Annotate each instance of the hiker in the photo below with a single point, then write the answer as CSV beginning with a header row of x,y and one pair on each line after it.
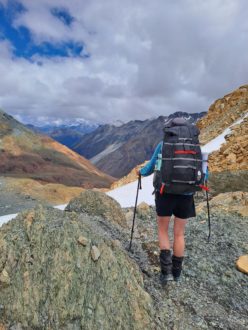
x,y
172,160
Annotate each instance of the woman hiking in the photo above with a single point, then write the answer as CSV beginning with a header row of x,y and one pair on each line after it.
x,y
179,200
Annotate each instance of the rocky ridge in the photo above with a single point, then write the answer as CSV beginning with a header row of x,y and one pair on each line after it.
x,y
25,154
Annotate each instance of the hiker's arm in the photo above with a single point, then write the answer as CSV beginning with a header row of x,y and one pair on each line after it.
x,y
148,169
205,165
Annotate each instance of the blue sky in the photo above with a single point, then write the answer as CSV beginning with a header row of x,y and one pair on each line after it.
x,y
21,38
119,60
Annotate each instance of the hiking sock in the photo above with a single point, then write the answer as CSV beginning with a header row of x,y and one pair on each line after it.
x,y
165,262
177,267
166,266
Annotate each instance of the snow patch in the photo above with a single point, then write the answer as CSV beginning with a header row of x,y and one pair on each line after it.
x,y
126,195
7,218
61,207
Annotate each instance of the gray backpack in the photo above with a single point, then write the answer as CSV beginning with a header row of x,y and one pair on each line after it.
x,y
179,167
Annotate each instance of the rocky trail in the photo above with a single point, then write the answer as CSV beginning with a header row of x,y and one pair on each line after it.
x,y
120,289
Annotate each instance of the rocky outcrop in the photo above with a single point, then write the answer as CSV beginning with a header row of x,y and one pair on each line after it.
x,y
229,111
100,204
228,203
223,113
49,280
228,181
233,154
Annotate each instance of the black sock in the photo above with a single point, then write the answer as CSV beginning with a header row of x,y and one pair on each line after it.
x,y
164,251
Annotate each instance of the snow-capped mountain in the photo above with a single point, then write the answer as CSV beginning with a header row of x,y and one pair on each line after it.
x,y
69,133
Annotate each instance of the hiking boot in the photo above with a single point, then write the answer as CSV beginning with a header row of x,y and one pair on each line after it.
x,y
165,278
177,267
166,266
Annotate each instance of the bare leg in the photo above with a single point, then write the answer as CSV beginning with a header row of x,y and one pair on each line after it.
x,y
163,236
179,229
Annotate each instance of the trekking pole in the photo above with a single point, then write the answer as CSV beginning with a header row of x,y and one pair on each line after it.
x,y
209,222
134,213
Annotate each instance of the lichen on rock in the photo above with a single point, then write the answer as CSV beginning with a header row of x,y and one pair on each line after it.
x,y
55,284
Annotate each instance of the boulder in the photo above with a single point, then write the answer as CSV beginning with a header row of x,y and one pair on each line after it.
x,y
143,209
95,253
82,240
51,281
242,264
99,204
228,181
227,203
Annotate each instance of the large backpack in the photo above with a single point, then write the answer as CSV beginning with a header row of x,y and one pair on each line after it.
x,y
179,168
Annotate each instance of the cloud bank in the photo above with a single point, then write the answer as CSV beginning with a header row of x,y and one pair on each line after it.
x,y
138,59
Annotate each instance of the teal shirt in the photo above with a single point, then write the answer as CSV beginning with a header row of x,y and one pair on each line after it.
x,y
148,169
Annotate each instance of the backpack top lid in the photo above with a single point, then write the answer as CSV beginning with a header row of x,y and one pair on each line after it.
x,y
178,121
182,125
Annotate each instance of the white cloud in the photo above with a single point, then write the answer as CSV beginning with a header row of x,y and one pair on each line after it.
x,y
147,58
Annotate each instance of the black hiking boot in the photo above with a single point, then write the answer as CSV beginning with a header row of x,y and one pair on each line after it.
x,y
166,266
177,267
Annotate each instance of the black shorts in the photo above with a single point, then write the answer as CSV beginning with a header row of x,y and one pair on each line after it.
x,y
181,206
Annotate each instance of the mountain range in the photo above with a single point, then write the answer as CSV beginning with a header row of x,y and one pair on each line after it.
x,y
67,134
24,153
